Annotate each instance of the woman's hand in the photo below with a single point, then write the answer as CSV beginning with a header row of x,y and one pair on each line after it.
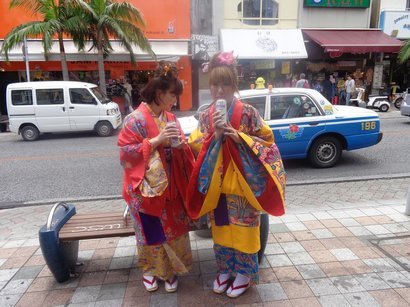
x,y
170,131
218,122
232,133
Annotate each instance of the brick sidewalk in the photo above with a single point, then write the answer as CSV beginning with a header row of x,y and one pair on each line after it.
x,y
350,251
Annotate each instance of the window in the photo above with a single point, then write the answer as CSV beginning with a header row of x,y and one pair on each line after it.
x,y
259,12
50,96
292,106
21,98
258,103
81,96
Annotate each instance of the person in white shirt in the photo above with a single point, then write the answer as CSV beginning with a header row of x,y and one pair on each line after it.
x,y
127,96
350,88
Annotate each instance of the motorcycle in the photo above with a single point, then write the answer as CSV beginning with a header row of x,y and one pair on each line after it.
x,y
380,102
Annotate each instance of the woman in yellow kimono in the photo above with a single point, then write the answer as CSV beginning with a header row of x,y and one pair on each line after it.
x,y
238,174
157,164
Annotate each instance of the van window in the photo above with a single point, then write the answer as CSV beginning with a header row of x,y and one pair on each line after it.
x,y
81,96
50,96
21,97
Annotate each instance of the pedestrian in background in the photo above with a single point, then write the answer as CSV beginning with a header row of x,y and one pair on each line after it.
x,y
128,97
157,163
350,88
341,90
302,82
238,174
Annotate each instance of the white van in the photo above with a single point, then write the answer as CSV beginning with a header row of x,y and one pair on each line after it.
x,y
59,106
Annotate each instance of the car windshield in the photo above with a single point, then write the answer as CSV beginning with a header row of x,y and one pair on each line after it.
x,y
100,95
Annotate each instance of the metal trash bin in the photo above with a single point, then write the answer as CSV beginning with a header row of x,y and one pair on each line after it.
x,y
60,257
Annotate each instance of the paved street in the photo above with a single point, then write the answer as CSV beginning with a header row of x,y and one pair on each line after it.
x,y
338,245
81,166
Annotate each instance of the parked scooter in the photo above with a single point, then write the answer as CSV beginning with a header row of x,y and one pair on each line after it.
x,y
400,97
380,102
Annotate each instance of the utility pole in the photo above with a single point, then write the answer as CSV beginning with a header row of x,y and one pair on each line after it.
x,y
25,55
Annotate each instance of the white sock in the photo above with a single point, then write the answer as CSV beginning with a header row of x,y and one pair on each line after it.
x,y
239,280
223,277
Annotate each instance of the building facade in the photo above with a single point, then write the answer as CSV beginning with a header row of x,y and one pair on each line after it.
x,y
167,28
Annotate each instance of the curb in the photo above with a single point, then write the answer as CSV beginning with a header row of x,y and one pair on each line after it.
x,y
16,204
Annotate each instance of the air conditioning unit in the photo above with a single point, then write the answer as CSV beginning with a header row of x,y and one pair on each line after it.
x,y
204,97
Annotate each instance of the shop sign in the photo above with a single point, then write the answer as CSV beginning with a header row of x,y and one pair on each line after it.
x,y
395,23
285,68
204,46
263,64
346,63
337,3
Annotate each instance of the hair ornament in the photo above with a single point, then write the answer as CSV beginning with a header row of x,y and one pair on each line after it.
x,y
167,68
226,58
205,67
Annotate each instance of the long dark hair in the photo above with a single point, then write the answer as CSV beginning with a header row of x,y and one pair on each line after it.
x,y
165,79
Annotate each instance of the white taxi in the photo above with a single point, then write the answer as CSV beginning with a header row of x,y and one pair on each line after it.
x,y
306,125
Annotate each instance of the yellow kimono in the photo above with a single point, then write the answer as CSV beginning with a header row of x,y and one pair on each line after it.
x,y
234,183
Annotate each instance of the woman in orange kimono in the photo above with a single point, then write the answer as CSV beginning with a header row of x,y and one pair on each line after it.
x,y
238,174
157,164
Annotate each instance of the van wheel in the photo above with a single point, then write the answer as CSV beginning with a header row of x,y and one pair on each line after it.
x,y
104,129
384,108
325,152
29,133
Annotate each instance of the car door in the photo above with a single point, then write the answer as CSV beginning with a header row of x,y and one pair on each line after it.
x,y
258,102
51,110
83,109
296,120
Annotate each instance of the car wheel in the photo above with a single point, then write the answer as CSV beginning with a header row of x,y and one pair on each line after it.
x,y
398,102
325,152
104,129
29,133
384,108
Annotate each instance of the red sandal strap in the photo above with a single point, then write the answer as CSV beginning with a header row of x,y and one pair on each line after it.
x,y
219,282
171,282
151,282
239,287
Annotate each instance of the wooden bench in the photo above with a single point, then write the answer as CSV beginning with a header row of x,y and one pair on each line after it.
x,y
95,226
59,238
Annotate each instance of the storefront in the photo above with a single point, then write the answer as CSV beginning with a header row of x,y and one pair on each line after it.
x,y
270,54
167,29
397,24
366,54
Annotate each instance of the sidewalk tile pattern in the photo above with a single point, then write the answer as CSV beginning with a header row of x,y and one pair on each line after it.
x,y
350,247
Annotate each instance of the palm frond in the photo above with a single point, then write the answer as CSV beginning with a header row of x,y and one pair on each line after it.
x,y
404,53
126,11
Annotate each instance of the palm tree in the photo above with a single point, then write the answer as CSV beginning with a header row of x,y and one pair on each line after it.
x,y
404,53
105,19
57,19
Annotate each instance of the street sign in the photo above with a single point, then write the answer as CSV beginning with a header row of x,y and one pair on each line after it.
x,y
337,3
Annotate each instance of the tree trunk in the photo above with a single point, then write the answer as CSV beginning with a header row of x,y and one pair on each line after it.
x,y
64,67
101,70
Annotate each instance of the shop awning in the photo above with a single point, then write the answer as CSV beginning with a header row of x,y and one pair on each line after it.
x,y
354,41
164,49
264,44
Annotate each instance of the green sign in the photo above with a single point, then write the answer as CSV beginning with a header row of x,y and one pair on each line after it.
x,y
338,3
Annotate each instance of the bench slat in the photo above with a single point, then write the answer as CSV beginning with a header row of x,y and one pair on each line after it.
x,y
96,216
122,232
94,226
98,221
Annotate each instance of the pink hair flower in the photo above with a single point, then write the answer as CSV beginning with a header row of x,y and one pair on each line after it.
x,y
226,58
